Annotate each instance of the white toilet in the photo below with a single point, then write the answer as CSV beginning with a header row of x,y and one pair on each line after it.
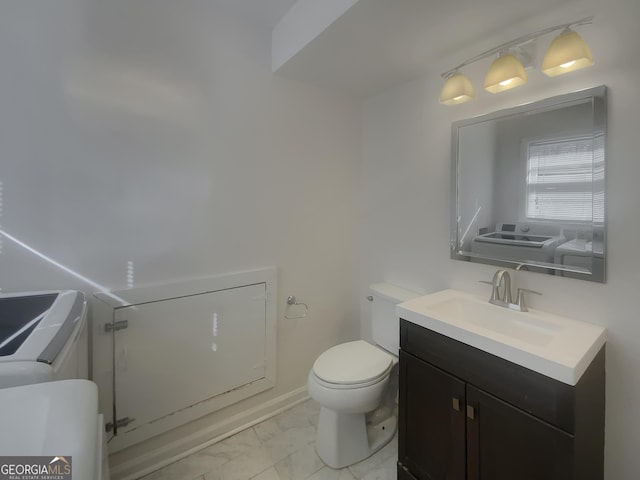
x,y
355,384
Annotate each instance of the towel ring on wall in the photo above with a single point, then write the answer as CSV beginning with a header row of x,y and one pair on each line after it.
x,y
291,300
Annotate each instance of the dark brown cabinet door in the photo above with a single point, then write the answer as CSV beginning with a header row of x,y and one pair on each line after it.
x,y
431,435
404,474
505,443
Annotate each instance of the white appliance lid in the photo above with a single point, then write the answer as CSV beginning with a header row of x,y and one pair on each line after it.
x,y
352,363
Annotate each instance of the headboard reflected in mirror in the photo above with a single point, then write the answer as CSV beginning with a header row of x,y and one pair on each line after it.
x,y
528,186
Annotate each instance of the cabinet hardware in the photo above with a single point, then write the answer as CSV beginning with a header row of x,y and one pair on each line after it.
x,y
456,404
471,412
115,326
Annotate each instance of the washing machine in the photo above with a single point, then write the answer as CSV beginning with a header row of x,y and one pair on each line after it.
x,y
584,256
56,422
43,337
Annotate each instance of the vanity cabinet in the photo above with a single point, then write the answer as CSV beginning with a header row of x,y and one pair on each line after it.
x,y
467,414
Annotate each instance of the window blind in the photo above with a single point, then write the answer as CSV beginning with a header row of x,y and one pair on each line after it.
x,y
560,179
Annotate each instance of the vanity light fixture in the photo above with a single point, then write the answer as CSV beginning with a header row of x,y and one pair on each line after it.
x,y
567,52
505,72
457,89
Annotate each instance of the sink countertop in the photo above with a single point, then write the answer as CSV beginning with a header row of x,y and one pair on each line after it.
x,y
558,347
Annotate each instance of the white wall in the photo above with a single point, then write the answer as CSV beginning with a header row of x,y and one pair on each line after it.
x,y
154,132
406,191
475,187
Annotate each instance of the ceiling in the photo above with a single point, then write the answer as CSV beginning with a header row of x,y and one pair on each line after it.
x,y
266,13
380,43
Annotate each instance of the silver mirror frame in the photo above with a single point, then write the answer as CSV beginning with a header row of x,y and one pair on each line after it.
x,y
598,98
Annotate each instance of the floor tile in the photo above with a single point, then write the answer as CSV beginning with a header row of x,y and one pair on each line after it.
x,y
301,416
202,462
384,471
300,464
388,453
280,448
282,443
242,467
308,410
269,474
327,473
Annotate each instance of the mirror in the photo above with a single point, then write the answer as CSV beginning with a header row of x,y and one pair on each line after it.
x,y
528,186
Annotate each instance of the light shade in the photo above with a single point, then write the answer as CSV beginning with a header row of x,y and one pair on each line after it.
x,y
567,52
505,72
457,89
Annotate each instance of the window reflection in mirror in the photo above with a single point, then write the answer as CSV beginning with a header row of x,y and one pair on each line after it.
x,y
529,186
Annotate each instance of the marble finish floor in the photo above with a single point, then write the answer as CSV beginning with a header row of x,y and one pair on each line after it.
x,y
280,448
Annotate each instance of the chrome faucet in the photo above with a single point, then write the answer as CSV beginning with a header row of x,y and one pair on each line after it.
x,y
501,278
501,292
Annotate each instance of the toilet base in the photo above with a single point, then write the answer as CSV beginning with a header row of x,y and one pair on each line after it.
x,y
344,439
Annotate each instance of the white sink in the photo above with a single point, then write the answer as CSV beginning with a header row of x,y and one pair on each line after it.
x,y
52,419
555,346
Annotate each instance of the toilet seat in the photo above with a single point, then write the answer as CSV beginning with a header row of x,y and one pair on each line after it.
x,y
352,365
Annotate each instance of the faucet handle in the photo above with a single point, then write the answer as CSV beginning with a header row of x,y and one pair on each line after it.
x,y
485,281
520,298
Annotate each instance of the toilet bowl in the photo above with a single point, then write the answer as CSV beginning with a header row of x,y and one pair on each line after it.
x,y
349,381
355,384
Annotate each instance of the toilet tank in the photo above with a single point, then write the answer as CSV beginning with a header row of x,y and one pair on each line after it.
x,y
385,324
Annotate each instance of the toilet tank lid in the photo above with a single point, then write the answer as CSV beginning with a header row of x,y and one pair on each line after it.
x,y
392,293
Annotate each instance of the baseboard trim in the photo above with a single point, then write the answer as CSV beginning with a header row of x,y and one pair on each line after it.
x,y
183,447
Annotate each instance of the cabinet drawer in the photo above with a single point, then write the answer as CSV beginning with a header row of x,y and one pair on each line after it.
x,y
541,396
